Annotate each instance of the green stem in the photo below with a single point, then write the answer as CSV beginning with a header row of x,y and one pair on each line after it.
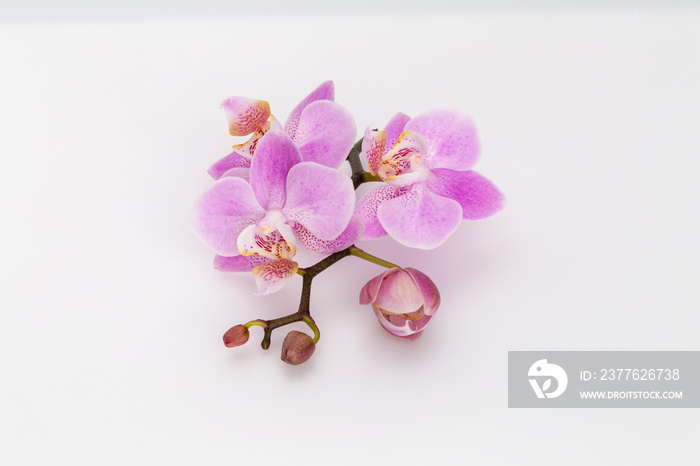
x,y
312,325
369,257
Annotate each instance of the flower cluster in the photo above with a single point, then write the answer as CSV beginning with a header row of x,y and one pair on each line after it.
x,y
282,188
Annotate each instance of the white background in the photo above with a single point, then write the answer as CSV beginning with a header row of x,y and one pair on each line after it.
x,y
111,314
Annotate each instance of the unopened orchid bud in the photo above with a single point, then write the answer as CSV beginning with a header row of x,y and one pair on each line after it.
x,y
297,348
236,336
404,301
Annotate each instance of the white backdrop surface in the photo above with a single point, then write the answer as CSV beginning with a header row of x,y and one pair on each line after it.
x,y
111,315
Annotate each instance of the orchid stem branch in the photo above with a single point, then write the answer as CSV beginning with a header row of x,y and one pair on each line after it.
x,y
357,252
359,176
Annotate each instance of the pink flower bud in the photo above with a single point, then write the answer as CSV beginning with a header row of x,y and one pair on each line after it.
x,y
297,348
236,336
404,301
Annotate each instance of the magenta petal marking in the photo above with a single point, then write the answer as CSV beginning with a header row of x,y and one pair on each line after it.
x,y
367,207
317,246
320,198
270,277
274,157
326,91
253,241
427,289
394,129
223,211
450,136
373,148
478,196
420,218
238,263
245,115
325,134
369,292
232,160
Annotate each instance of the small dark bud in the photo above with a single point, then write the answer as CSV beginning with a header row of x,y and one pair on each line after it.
x,y
297,348
236,336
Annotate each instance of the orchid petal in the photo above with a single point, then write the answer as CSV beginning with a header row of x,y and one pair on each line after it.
x,y
367,207
451,139
245,115
275,155
223,211
254,241
399,295
272,276
427,289
288,235
420,218
247,149
369,292
321,199
232,160
373,148
325,133
238,263
394,129
326,91
238,172
478,196
317,246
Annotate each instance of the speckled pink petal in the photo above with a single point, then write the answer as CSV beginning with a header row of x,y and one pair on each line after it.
x,y
317,246
325,134
326,91
420,218
223,211
369,292
247,149
275,156
450,136
232,160
399,294
238,172
367,207
427,289
272,276
245,115
394,129
373,148
321,199
238,263
478,196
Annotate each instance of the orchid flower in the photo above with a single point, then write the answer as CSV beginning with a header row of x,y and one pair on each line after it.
x,y
255,225
403,300
323,130
426,164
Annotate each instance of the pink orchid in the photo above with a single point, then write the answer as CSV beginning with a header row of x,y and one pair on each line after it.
x,y
323,130
255,225
404,301
425,162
